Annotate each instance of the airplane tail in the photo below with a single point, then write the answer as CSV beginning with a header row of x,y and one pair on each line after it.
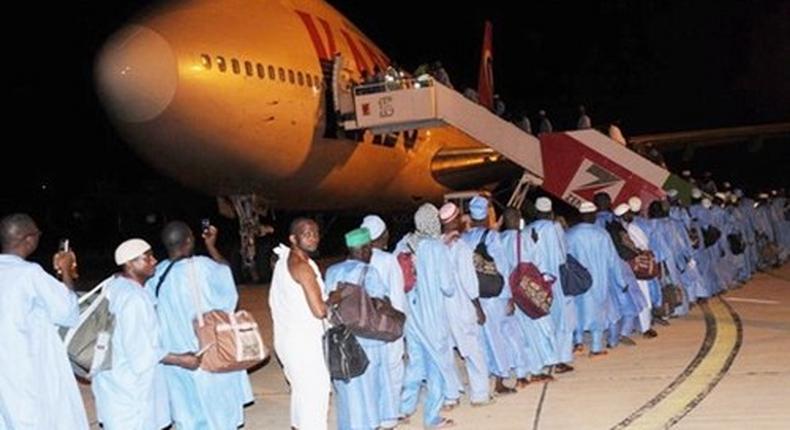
x,y
485,83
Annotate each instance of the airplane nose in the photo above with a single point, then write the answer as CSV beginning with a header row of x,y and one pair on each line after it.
x,y
136,74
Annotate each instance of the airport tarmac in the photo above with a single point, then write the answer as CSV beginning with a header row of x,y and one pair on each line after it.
x,y
724,366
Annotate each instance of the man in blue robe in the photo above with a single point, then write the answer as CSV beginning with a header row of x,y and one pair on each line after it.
x,y
707,257
496,308
745,206
550,254
37,386
629,300
364,402
428,339
597,309
194,285
132,395
530,359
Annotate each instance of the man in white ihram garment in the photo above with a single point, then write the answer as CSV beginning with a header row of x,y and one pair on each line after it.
x,y
297,303
37,387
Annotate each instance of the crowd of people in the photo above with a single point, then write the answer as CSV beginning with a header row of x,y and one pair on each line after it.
x,y
438,275
703,249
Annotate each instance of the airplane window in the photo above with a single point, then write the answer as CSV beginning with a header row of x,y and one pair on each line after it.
x,y
300,78
317,81
261,70
291,76
221,64
281,73
309,79
271,72
206,60
234,63
248,68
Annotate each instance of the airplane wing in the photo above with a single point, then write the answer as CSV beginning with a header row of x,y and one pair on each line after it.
x,y
716,136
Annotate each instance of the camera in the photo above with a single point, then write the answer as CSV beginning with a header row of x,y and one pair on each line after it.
x,y
205,223
64,245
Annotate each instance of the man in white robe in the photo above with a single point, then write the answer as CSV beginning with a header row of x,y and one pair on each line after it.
x,y
386,264
132,394
37,387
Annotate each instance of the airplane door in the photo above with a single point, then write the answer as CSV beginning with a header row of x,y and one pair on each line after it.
x,y
341,90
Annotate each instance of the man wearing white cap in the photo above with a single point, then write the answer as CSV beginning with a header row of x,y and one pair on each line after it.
x,y
743,226
746,207
386,264
596,308
464,307
708,255
655,242
731,265
132,395
640,240
37,386
530,349
550,255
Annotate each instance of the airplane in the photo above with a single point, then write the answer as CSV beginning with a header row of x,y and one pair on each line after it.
x,y
235,98
239,98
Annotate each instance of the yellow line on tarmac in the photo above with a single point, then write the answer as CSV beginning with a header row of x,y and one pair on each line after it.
x,y
722,342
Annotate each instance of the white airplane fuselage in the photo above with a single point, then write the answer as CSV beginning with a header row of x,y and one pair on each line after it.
x,y
229,97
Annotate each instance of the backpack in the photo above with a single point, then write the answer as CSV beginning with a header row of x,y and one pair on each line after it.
x,y
531,289
575,278
710,235
88,343
409,269
622,242
736,243
491,282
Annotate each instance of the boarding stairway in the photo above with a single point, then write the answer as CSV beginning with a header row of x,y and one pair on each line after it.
x,y
571,165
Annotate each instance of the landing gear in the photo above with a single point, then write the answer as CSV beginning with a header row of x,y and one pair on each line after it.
x,y
249,210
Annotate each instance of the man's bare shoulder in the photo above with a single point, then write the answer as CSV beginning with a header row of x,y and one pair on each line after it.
x,y
300,269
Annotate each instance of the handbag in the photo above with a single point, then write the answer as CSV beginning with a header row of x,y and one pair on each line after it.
x,y
88,343
228,341
366,316
489,279
710,235
623,244
736,243
345,358
575,278
531,289
644,265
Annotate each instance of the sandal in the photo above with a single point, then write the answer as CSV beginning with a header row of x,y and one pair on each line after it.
x,y
443,424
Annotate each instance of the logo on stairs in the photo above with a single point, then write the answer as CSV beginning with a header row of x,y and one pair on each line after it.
x,y
591,178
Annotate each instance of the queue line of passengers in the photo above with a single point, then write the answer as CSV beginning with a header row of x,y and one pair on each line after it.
x,y
155,380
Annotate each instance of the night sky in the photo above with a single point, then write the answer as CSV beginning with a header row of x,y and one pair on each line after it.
x,y
655,65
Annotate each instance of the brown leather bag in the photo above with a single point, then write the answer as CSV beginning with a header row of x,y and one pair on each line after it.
x,y
644,265
366,316
231,341
228,341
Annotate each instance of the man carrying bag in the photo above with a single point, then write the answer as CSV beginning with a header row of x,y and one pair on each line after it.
x,y
363,401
